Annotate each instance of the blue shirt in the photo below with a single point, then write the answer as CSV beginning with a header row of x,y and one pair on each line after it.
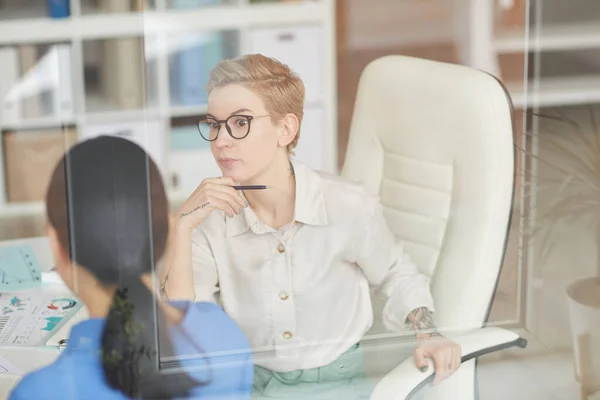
x,y
225,361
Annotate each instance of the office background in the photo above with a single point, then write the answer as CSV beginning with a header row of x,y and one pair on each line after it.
x,y
70,70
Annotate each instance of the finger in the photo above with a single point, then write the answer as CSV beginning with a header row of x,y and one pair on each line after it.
x,y
440,361
457,358
218,204
235,196
220,180
421,360
231,199
223,181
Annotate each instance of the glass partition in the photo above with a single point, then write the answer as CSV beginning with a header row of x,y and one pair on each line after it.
x,y
71,71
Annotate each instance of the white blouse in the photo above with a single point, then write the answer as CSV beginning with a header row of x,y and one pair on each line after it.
x,y
304,292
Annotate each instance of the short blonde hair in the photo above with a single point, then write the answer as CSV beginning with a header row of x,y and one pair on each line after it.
x,y
273,82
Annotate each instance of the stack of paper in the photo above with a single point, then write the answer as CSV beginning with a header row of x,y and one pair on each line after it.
x,y
9,377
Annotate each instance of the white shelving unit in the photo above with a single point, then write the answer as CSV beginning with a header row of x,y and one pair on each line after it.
x,y
563,30
285,21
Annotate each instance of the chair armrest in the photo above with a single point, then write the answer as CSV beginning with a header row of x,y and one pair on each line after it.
x,y
405,380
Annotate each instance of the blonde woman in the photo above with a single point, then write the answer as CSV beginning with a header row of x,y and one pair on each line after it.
x,y
292,264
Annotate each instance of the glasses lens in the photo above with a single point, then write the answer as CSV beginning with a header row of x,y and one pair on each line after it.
x,y
239,126
208,129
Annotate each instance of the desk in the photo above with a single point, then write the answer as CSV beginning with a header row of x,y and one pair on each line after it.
x,y
41,249
27,358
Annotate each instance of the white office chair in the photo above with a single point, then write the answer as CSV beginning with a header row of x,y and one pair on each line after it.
x,y
435,142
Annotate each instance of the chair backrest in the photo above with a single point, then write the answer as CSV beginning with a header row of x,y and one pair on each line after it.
x,y
435,142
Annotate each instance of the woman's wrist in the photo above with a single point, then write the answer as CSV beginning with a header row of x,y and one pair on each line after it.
x,y
183,228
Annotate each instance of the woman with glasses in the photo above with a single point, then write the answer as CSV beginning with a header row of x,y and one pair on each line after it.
x,y
292,263
108,228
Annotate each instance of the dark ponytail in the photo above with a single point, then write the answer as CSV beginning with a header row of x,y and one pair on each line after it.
x,y
107,203
129,346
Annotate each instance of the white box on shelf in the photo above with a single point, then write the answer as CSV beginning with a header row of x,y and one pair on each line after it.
x,y
149,134
188,168
311,145
31,100
123,73
62,101
300,47
10,112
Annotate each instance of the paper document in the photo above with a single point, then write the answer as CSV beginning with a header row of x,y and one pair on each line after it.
x,y
8,368
19,269
7,383
9,376
30,318
64,332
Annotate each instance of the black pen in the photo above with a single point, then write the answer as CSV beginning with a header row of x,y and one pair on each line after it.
x,y
252,187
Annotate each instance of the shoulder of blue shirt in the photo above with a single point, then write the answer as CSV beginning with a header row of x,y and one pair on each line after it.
x,y
36,384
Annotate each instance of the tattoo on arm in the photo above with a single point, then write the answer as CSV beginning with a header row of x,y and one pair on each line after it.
x,y
420,321
194,210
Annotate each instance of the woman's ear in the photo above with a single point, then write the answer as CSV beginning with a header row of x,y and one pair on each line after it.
x,y
289,129
64,267
61,255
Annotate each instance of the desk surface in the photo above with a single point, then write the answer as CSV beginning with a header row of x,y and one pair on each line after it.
x,y
28,358
41,249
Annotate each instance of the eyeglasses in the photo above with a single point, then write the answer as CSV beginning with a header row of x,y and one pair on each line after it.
x,y
238,126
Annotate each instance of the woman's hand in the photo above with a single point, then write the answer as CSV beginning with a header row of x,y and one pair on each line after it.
x,y
212,194
444,353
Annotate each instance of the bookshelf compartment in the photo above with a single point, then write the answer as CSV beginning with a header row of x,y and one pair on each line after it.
x,y
115,6
29,9
195,4
311,148
36,84
190,157
118,76
30,157
300,47
191,58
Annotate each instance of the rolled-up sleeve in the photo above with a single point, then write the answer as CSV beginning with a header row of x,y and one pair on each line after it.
x,y
206,278
388,268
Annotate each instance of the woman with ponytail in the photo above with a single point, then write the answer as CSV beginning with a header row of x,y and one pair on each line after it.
x,y
108,228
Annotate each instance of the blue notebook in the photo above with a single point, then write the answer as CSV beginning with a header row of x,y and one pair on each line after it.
x,y
186,138
199,54
185,4
191,66
19,269
58,8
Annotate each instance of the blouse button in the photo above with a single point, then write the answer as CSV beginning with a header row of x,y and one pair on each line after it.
x,y
283,295
281,248
287,335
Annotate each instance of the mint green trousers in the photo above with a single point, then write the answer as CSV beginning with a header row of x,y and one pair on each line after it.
x,y
345,379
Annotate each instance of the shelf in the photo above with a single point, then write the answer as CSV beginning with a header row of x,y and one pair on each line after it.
x,y
188,111
37,208
89,7
46,30
554,37
556,91
38,123
33,209
99,110
108,117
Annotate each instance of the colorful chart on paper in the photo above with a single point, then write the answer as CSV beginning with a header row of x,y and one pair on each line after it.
x,y
28,318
